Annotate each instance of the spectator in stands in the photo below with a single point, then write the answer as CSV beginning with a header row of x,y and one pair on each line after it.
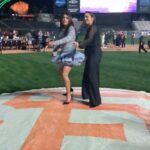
x,y
106,38
141,44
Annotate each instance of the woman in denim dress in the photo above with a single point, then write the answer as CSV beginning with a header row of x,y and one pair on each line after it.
x,y
66,55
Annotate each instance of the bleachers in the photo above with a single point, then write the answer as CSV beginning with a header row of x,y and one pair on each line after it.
x,y
116,23
15,24
19,24
141,25
3,25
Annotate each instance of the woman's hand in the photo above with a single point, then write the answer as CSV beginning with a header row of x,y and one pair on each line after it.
x,y
76,44
54,54
51,44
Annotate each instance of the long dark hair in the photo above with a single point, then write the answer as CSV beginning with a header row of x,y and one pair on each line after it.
x,y
69,24
92,15
70,20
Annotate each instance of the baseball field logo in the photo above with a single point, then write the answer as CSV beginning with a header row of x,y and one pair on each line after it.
x,y
37,120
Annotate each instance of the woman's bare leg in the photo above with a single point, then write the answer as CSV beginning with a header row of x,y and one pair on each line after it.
x,y
65,75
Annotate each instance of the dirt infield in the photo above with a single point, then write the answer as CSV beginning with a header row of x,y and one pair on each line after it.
x,y
109,48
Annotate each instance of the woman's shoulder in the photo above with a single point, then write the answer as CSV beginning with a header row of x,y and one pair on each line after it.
x,y
71,27
95,27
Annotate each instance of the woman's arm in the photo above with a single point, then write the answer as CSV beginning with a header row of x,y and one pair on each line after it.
x,y
70,36
88,41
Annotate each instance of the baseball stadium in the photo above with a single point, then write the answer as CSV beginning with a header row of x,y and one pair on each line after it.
x,y
74,75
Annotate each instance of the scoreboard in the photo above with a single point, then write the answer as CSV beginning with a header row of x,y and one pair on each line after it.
x,y
102,6
74,6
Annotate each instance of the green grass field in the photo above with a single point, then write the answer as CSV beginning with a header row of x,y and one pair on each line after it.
x,y
125,70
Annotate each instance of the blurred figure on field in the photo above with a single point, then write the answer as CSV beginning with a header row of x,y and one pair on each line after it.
x,y
103,40
123,40
148,43
141,43
1,40
114,38
133,38
46,39
106,39
118,39
40,40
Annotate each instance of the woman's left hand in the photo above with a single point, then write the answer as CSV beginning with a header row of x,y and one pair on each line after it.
x,y
54,54
51,43
76,44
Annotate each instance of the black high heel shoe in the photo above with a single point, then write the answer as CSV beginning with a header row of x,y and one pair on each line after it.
x,y
67,102
65,94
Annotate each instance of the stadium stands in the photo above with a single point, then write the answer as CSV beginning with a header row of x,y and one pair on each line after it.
x,y
141,25
20,24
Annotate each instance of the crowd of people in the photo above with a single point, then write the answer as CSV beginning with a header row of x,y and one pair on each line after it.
x,y
115,38
37,40
31,40
119,39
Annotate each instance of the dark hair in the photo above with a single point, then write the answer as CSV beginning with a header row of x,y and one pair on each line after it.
x,y
70,20
92,15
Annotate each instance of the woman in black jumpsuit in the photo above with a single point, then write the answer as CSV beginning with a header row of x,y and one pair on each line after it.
x,y
91,44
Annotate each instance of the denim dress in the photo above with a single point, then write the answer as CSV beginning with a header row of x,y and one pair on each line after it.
x,y
65,48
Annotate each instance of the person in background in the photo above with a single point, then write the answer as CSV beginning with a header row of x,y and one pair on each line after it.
x,y
29,39
114,37
148,43
123,40
103,40
141,43
118,39
45,38
40,40
133,38
106,39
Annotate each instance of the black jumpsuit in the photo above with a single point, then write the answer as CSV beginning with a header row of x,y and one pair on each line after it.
x,y
90,82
